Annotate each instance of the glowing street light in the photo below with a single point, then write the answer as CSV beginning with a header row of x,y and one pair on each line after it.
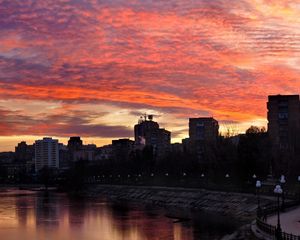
x,y
282,181
258,186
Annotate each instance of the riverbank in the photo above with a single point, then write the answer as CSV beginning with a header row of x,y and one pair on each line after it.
x,y
238,205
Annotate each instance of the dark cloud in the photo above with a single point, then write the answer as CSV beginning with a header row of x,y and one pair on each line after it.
x,y
179,57
70,123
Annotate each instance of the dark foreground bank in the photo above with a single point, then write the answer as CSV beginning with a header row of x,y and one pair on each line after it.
x,y
240,206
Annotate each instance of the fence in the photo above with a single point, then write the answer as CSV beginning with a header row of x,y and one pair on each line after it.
x,y
270,229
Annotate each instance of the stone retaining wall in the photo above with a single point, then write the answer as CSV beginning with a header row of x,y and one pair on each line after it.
x,y
241,206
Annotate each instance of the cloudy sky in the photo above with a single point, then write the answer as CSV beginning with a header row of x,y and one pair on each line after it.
x,y
92,67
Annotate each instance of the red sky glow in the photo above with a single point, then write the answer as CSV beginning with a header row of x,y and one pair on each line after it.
x,y
92,67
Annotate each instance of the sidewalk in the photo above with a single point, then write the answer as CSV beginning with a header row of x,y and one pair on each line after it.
x,y
290,221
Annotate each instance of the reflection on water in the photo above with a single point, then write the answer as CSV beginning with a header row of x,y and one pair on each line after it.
x,y
39,216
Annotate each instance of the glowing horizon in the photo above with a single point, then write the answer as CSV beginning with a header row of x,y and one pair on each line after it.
x,y
91,68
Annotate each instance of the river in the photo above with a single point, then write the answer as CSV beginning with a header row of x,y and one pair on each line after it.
x,y
30,215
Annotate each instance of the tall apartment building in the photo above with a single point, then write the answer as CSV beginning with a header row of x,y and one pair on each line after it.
x,y
203,135
203,129
148,133
46,153
122,148
284,127
24,152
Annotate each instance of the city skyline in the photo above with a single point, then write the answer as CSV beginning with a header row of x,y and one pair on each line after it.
x,y
90,68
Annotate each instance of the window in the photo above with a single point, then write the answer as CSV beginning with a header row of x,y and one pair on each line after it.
x,y
283,115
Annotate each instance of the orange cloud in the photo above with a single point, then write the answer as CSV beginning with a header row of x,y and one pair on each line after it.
x,y
181,57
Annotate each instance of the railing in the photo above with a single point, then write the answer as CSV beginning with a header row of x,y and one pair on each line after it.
x,y
270,229
266,228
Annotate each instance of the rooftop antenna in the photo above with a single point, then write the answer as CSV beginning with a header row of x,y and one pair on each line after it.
x,y
150,117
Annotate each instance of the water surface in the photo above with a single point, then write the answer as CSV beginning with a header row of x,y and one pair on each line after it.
x,y
29,215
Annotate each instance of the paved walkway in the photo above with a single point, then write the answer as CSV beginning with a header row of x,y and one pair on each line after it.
x,y
290,221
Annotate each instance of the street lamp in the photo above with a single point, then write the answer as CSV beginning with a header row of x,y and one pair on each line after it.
x,y
254,178
282,181
278,191
258,186
298,187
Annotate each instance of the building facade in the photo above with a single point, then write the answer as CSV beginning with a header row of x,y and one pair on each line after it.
x,y
46,153
24,152
122,148
148,133
203,129
284,128
203,136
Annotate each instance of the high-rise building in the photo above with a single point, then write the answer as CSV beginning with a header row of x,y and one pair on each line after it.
x,y
284,128
203,129
46,153
203,135
148,133
74,143
24,152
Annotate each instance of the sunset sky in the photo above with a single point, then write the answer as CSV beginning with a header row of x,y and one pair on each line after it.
x,y
92,67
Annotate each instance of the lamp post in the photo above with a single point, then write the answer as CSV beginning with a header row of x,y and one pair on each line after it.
x,y
298,188
282,181
227,181
258,186
278,191
254,178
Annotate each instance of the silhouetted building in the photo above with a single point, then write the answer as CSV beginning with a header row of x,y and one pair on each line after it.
x,y
80,152
203,129
104,153
85,153
24,152
64,157
284,128
74,143
203,136
7,157
148,133
122,148
176,147
46,153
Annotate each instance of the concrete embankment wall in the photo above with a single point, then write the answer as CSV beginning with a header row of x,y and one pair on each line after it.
x,y
241,206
